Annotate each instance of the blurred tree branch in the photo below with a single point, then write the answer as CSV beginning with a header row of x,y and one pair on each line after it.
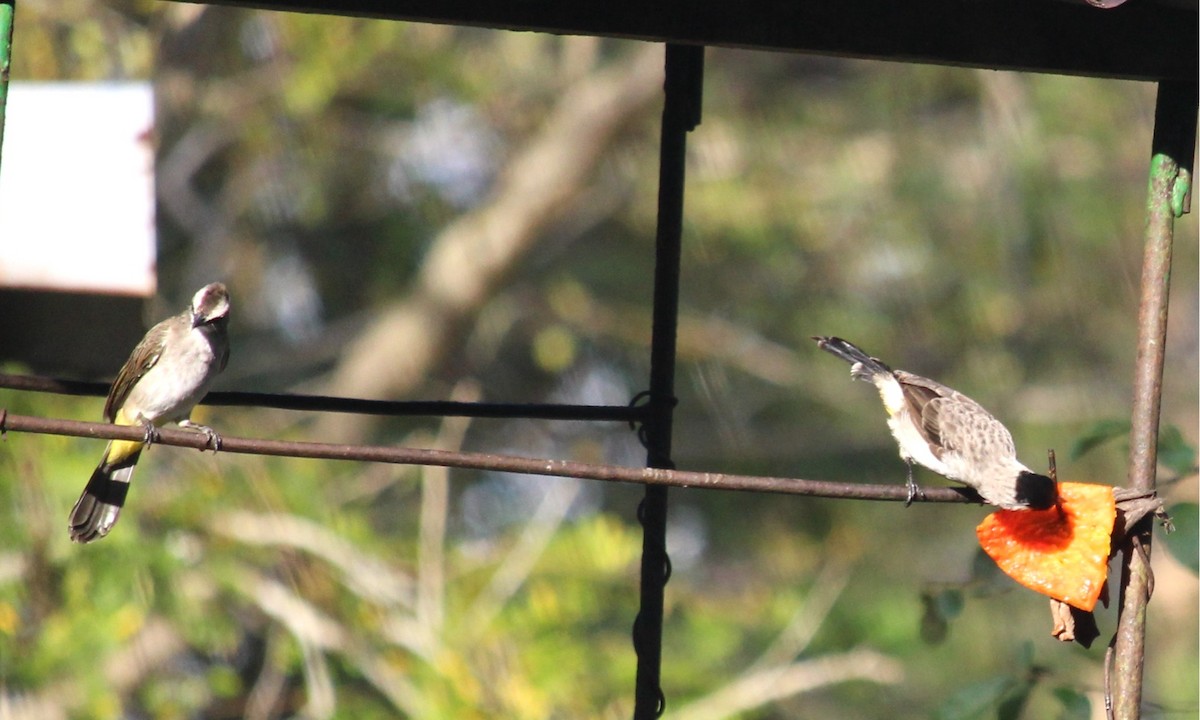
x,y
430,614
473,255
777,675
761,687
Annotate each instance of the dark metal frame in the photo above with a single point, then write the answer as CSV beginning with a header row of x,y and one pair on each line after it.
x,y
1146,39
1142,39
681,113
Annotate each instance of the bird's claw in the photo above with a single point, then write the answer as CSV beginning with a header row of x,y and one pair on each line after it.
x,y
151,433
913,492
214,439
913,489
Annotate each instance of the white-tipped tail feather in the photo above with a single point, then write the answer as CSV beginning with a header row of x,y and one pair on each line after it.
x,y
97,509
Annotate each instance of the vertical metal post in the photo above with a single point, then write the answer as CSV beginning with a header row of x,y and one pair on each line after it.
x,y
1169,197
7,13
681,113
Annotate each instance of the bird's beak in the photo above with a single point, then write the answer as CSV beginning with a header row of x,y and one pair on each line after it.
x,y
197,319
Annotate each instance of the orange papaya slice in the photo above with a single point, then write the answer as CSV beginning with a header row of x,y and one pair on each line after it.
x,y
1061,552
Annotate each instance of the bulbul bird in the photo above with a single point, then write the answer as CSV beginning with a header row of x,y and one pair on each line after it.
x,y
168,372
949,433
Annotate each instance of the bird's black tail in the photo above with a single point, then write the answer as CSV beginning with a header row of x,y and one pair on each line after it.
x,y
97,509
862,365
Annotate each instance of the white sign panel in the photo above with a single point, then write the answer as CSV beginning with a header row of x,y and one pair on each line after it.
x,y
77,188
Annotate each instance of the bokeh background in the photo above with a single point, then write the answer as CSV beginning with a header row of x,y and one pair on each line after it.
x,y
416,211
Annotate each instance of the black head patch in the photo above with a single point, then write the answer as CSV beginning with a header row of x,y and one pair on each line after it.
x,y
1037,492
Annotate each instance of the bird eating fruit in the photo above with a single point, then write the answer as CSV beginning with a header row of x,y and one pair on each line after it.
x,y
949,433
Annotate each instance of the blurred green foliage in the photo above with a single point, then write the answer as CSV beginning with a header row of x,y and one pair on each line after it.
x,y
981,228
1184,540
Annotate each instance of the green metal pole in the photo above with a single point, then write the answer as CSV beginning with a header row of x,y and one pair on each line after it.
x,y
7,10
1169,197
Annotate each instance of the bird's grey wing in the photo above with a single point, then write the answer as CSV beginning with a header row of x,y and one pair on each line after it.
x,y
224,359
922,398
932,387
143,357
966,429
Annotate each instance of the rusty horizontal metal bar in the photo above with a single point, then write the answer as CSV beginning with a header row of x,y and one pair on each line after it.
x,y
327,403
12,423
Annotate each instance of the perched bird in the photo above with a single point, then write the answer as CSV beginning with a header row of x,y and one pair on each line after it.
x,y
948,433
167,374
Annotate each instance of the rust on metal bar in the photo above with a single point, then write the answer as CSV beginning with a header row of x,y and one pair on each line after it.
x,y
486,461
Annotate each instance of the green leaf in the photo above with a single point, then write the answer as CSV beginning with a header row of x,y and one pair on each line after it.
x,y
1013,704
1174,452
1098,434
1076,705
978,699
986,576
1025,655
934,626
939,610
1184,541
950,603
